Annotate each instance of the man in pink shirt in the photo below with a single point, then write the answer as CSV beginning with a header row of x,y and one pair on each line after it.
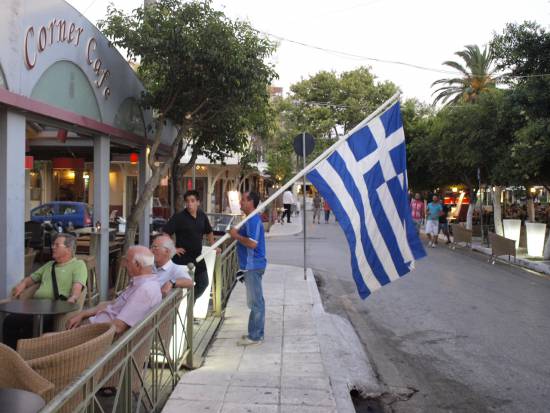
x,y
136,301
417,211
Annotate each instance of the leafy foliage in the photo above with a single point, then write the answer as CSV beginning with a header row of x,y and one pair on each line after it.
x,y
199,69
326,105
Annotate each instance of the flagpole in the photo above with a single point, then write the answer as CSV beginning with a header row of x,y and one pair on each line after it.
x,y
307,169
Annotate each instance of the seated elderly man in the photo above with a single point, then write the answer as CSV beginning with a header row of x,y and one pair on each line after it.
x,y
63,278
169,274
69,273
136,301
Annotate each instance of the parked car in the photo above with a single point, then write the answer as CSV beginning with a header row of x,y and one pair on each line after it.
x,y
79,214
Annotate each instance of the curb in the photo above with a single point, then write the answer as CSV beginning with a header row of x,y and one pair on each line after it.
x,y
286,234
345,360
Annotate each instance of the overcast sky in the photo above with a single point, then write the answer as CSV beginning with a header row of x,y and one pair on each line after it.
x,y
421,32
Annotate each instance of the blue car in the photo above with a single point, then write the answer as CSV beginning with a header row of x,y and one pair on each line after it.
x,y
77,213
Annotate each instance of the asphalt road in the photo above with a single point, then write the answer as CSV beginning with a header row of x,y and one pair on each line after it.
x,y
458,334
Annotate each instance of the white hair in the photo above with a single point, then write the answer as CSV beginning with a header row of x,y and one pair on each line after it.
x,y
143,256
168,243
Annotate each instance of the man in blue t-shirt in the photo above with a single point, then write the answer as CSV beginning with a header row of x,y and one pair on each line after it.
x,y
433,211
252,262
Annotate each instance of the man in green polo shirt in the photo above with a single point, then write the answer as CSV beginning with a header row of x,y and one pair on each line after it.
x,y
71,274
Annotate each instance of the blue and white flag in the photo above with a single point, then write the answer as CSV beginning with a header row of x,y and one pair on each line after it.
x,y
365,184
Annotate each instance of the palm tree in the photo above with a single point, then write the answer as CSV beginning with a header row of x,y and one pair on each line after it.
x,y
477,76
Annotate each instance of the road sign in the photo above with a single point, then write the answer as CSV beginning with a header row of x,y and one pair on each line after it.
x,y
310,144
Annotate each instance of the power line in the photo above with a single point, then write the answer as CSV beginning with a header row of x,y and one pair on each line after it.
x,y
356,56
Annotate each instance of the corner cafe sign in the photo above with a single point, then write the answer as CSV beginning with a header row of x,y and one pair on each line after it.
x,y
38,39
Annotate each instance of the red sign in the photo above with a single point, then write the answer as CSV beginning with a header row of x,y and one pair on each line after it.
x,y
29,162
68,163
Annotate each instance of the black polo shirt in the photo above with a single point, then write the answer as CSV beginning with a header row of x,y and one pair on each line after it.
x,y
189,233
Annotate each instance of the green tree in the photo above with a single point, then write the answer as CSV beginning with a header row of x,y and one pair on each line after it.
x,y
201,71
523,50
477,75
327,105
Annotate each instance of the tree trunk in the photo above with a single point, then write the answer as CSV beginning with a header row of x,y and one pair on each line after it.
x,y
471,207
530,208
546,252
497,211
158,172
179,184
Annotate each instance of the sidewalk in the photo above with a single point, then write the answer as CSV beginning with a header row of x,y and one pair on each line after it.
x,y
522,259
286,229
309,361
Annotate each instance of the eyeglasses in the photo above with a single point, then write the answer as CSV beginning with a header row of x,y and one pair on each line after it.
x,y
58,245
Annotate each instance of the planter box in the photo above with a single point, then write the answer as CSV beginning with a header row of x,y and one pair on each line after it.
x,y
512,229
535,238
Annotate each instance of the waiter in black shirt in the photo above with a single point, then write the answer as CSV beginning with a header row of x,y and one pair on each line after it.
x,y
189,226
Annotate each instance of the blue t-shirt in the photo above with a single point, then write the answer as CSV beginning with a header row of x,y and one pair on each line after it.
x,y
252,259
434,211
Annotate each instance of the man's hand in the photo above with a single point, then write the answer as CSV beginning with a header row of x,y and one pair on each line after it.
x,y
166,288
74,322
233,233
72,299
180,251
18,289
218,251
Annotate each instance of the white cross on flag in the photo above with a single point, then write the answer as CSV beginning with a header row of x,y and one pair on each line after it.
x,y
365,184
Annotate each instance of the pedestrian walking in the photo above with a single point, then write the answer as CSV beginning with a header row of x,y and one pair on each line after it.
x,y
252,262
433,212
417,211
326,208
444,223
190,226
317,208
288,201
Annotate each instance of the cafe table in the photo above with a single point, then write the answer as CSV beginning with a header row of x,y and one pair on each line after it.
x,y
38,308
19,401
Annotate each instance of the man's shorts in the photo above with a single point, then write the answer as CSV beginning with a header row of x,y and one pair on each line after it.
x,y
432,226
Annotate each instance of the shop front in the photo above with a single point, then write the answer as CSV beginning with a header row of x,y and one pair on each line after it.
x,y
70,126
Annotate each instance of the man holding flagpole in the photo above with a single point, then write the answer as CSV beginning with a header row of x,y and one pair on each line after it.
x,y
252,262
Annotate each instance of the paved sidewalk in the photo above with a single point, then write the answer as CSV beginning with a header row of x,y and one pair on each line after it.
x,y
522,259
288,372
286,229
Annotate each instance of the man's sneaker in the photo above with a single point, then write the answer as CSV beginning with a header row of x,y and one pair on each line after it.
x,y
433,245
245,341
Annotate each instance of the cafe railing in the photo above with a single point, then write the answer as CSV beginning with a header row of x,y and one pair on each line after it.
x,y
145,363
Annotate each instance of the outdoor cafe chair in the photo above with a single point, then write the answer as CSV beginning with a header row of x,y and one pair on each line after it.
x,y
62,357
60,320
17,374
30,255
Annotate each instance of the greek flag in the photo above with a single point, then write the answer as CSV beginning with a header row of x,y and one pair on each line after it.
x,y
365,184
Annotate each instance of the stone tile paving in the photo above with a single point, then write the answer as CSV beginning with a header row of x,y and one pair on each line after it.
x,y
285,374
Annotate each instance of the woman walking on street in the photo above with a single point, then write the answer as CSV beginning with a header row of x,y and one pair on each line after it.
x,y
326,208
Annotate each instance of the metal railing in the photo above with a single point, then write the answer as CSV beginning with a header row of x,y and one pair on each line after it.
x,y
224,277
145,364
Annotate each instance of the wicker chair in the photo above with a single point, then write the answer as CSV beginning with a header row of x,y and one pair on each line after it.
x,y
62,357
30,255
93,280
60,321
20,375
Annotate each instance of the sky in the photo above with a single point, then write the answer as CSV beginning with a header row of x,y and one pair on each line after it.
x,y
315,35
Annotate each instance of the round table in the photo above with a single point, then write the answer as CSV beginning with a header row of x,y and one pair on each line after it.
x,y
20,401
38,308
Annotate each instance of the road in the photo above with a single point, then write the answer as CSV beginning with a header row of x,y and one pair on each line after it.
x,y
460,334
